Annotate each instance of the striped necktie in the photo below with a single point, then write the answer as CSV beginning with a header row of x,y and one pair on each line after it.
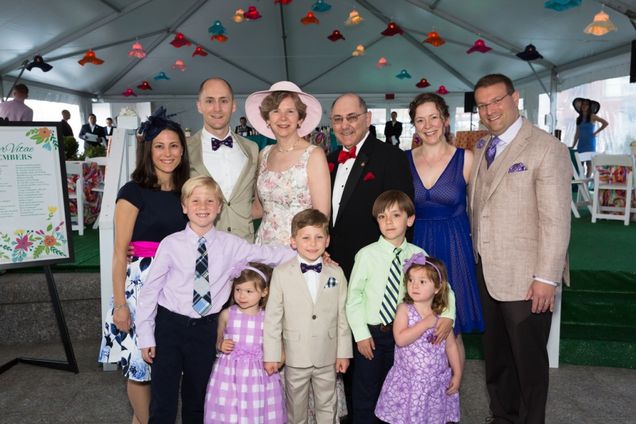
x,y
392,291
201,300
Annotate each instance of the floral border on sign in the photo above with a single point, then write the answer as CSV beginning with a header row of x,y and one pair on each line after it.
x,y
43,136
33,243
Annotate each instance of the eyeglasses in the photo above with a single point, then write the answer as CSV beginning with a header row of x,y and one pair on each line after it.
x,y
352,118
495,102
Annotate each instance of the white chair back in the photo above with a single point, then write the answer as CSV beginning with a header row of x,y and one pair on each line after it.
x,y
616,212
75,168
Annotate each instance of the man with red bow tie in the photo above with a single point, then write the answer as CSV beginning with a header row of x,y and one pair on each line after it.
x,y
361,169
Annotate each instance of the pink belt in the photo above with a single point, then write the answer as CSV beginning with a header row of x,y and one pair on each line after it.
x,y
144,249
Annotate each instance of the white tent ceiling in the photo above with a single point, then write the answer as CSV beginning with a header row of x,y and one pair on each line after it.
x,y
277,46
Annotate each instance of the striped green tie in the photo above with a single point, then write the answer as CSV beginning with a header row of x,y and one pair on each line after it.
x,y
390,301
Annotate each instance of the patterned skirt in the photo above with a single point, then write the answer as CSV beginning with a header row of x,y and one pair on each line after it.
x,y
119,347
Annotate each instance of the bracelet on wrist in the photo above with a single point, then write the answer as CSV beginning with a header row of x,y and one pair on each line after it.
x,y
121,305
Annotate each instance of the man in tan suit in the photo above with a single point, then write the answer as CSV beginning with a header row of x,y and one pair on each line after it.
x,y
519,198
305,318
225,156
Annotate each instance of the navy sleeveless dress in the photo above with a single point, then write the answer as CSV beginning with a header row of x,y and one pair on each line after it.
x,y
442,229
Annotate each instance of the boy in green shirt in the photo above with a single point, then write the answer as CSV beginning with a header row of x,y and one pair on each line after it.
x,y
375,290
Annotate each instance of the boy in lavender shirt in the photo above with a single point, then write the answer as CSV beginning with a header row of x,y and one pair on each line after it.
x,y
179,305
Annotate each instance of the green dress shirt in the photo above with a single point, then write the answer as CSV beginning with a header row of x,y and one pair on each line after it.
x,y
368,282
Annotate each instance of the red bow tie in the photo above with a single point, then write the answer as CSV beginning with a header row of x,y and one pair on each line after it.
x,y
343,156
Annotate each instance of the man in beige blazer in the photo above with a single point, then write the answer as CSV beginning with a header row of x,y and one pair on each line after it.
x,y
305,318
519,199
225,156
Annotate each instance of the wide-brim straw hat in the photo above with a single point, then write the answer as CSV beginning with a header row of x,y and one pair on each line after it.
x,y
594,105
253,112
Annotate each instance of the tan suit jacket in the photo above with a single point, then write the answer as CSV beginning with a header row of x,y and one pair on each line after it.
x,y
520,212
314,335
236,215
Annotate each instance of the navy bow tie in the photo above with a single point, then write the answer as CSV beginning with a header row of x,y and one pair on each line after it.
x,y
305,267
216,143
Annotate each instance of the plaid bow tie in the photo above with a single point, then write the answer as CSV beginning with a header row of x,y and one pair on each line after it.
x,y
304,267
343,156
216,143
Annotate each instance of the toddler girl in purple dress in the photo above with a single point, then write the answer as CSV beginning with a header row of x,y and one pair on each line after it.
x,y
421,387
239,389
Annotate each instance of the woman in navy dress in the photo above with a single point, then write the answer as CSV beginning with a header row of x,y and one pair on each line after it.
x,y
440,172
147,209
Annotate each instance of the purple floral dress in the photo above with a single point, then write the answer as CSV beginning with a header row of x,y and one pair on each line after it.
x,y
414,391
283,194
240,391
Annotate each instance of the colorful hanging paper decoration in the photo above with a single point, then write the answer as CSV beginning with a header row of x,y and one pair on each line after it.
x,y
479,46
239,16
178,64
335,35
137,51
309,18
161,76
442,90
282,1
89,57
144,86
252,14
129,92
601,25
321,6
382,62
199,51
218,32
392,29
434,39
354,18
529,53
423,83
38,62
561,5
359,51
403,74
180,40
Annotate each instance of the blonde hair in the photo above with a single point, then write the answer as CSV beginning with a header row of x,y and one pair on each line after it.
x,y
201,181
436,272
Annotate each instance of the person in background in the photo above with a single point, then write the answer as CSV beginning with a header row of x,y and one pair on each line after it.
x,y
586,130
519,198
393,130
16,110
91,133
147,210
243,129
67,131
108,129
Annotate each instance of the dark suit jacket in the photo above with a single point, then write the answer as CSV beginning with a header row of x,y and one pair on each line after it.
x,y
395,130
98,131
65,128
378,167
108,131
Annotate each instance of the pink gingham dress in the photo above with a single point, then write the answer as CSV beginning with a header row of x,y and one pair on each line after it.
x,y
240,391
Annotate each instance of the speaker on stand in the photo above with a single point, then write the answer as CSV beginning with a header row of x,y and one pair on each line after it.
x,y
470,106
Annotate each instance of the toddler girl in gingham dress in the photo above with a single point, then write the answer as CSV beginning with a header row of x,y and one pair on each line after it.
x,y
240,391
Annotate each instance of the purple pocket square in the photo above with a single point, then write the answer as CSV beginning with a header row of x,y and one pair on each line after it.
x,y
517,167
481,143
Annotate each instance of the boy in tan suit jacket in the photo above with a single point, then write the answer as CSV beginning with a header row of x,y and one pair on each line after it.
x,y
305,317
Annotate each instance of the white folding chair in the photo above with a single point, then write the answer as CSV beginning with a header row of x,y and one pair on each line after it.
x,y
604,182
583,196
75,168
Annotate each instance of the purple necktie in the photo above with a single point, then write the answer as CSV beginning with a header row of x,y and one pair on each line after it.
x,y
216,143
491,151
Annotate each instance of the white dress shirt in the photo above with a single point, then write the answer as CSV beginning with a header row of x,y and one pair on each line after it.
x,y
225,164
312,278
342,175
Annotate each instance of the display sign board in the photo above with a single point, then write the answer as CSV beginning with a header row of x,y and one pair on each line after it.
x,y
35,227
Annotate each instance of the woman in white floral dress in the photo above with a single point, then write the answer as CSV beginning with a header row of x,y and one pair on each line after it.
x,y
292,174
